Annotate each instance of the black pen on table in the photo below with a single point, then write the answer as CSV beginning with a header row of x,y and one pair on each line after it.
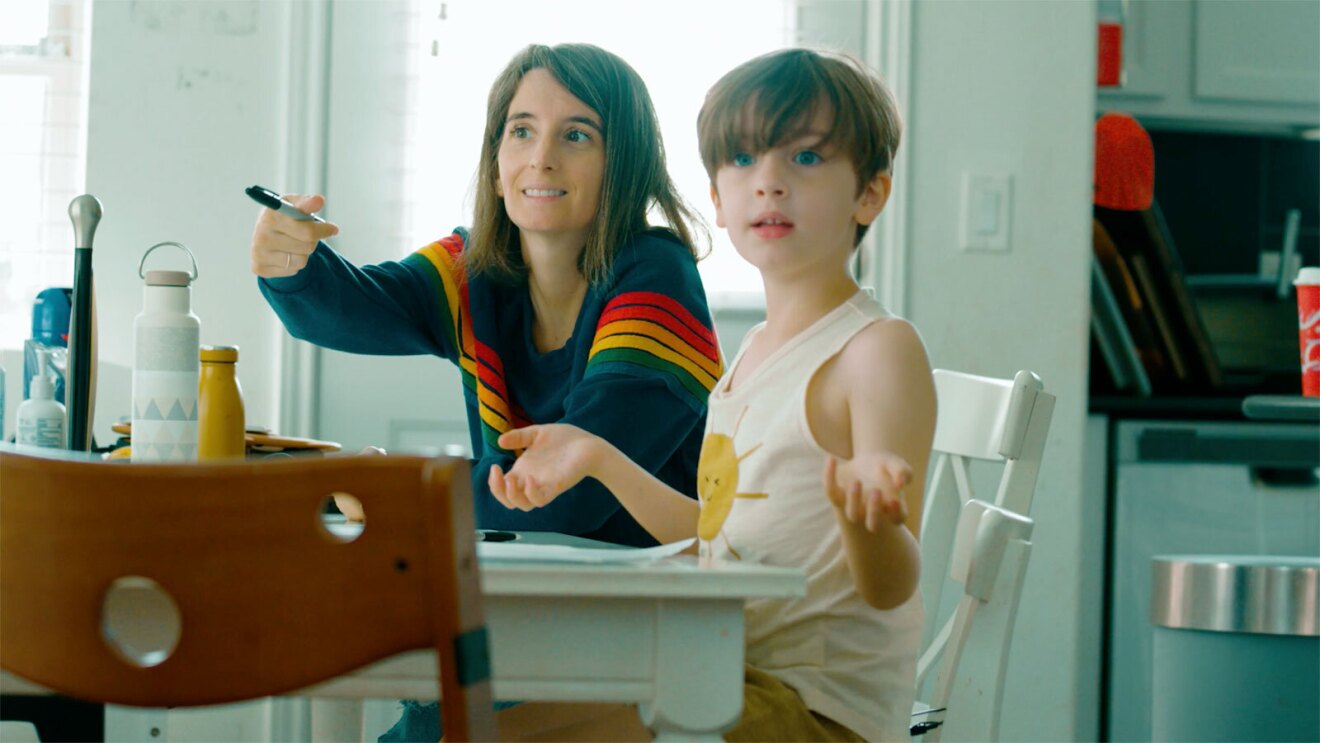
x,y
272,201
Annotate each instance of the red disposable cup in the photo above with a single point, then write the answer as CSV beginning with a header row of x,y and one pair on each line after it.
x,y
1308,328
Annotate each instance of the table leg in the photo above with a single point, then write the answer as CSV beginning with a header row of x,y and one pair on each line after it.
x,y
699,670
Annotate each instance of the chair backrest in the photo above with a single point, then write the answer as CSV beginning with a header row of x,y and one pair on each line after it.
x,y
980,419
1004,421
989,562
264,598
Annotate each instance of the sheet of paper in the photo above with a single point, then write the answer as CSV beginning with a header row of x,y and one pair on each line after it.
x,y
524,552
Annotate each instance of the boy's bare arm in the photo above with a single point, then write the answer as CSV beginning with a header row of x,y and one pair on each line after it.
x,y
555,457
891,405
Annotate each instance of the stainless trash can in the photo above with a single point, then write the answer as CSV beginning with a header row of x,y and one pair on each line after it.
x,y
1236,648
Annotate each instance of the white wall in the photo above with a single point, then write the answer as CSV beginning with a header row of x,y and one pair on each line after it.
x,y
188,107
1009,86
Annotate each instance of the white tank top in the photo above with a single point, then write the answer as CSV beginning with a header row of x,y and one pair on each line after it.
x,y
849,661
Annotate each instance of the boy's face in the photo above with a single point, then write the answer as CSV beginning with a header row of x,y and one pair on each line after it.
x,y
795,206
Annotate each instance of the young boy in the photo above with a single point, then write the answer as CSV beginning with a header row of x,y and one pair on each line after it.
x,y
818,433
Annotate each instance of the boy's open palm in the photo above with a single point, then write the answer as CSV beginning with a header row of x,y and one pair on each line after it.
x,y
868,489
554,458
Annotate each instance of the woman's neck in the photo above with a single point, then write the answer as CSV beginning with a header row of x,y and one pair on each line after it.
x,y
556,287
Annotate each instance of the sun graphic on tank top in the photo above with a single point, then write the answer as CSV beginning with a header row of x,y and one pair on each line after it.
x,y
717,483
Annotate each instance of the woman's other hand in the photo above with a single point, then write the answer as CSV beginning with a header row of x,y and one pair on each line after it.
x,y
554,458
281,245
868,489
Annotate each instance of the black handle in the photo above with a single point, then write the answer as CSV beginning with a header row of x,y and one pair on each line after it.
x,y
78,384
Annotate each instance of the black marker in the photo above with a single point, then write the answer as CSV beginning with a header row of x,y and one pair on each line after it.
x,y
496,536
272,201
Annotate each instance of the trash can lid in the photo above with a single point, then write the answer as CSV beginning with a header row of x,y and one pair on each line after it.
x,y
1270,595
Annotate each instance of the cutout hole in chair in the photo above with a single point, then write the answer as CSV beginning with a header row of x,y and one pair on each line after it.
x,y
353,522
140,621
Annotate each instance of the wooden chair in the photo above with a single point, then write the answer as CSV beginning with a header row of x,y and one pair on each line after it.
x,y
974,554
186,585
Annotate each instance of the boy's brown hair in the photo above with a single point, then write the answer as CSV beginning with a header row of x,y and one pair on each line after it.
x,y
636,178
774,98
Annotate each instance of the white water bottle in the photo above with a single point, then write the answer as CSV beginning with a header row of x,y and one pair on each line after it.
x,y
166,341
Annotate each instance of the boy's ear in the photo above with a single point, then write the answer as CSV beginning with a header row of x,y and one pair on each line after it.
x,y
719,212
873,198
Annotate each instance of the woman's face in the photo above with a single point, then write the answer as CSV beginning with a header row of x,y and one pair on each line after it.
x,y
551,161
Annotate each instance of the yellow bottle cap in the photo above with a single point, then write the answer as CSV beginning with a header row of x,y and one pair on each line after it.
x,y
220,353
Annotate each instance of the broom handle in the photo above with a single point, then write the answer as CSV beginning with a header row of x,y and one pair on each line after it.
x,y
85,212
80,352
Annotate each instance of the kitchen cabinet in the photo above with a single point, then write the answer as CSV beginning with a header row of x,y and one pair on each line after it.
x,y
1220,65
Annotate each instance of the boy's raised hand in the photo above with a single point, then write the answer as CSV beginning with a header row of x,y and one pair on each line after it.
x,y
281,245
554,458
868,489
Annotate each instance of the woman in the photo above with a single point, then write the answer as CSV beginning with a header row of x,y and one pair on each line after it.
x,y
561,305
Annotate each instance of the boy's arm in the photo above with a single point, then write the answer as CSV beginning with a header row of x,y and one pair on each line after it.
x,y
891,405
557,456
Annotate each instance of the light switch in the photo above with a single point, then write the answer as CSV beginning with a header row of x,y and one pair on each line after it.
x,y
986,209
987,206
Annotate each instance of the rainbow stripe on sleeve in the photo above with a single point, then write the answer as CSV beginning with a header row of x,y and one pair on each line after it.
x,y
655,331
480,366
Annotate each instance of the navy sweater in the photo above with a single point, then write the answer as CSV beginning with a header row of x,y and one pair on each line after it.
x,y
635,372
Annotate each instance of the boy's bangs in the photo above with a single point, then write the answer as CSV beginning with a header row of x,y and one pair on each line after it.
x,y
775,115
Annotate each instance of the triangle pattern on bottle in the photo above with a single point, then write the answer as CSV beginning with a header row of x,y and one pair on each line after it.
x,y
176,412
152,412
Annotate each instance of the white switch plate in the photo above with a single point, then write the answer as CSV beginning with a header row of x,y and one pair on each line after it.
x,y
987,211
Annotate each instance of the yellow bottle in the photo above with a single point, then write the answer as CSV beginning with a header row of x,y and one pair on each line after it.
x,y
219,406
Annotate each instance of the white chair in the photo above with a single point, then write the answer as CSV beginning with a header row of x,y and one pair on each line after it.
x,y
980,548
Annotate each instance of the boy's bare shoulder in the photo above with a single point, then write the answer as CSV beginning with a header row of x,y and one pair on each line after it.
x,y
886,339
886,353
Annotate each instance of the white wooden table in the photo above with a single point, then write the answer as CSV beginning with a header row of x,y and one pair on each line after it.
x,y
665,635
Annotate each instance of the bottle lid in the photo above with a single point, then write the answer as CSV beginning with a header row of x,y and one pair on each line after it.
x,y
50,316
1307,275
220,353
168,278
42,387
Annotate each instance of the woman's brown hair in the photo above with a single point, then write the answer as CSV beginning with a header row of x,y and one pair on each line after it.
x,y
635,180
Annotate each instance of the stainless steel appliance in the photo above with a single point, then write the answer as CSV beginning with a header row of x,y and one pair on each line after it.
x,y
1245,488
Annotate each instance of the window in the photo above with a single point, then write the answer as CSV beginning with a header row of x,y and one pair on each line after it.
x,y
43,82
680,48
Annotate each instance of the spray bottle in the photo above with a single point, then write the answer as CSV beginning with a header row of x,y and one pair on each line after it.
x,y
40,417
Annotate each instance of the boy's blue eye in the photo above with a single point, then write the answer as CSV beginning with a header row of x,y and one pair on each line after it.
x,y
742,160
806,157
